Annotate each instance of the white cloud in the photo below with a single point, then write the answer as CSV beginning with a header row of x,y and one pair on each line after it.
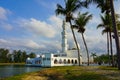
x,y
95,20
33,45
3,13
52,45
47,34
3,41
56,21
3,17
38,27
6,26
117,7
20,43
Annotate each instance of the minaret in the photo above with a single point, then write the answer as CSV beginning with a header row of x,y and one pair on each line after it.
x,y
64,38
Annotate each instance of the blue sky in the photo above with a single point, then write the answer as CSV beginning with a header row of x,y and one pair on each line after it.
x,y
32,25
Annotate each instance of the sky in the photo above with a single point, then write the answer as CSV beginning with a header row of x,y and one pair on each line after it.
x,y
33,26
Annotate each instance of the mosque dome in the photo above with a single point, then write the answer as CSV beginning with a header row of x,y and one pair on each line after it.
x,y
28,58
38,55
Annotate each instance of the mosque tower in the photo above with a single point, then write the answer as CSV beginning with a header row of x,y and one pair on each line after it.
x,y
64,38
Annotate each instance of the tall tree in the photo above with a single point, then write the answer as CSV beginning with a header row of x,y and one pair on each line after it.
x,y
32,55
115,32
102,58
70,7
24,56
106,30
110,9
80,24
3,55
107,25
93,55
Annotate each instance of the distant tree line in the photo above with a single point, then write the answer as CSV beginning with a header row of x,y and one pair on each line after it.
x,y
17,56
104,58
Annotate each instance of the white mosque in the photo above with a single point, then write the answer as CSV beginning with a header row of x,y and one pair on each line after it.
x,y
64,58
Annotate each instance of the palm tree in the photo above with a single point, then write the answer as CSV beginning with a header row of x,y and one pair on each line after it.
x,y
105,30
80,24
106,24
115,31
93,55
110,8
70,7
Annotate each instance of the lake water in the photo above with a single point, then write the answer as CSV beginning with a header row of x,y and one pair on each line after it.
x,y
11,70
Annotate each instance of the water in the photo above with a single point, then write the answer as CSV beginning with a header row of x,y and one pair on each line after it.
x,y
11,70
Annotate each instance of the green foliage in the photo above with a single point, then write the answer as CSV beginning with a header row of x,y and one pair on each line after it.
x,y
4,55
70,7
104,58
32,55
16,56
93,55
82,21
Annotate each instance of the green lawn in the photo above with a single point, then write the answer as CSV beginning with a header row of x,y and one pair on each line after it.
x,y
72,73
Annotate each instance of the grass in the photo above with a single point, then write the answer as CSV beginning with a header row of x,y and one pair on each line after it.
x,y
17,77
108,68
71,73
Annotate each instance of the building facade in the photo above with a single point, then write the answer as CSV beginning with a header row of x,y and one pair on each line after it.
x,y
64,58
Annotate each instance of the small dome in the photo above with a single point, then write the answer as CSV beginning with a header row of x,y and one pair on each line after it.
x,y
38,55
28,58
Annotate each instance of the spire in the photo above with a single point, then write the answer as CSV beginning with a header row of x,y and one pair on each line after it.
x,y
64,38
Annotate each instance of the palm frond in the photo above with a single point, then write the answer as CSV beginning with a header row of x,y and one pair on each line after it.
x,y
60,10
104,31
82,20
101,26
75,26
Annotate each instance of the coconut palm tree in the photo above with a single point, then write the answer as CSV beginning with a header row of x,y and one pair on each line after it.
x,y
115,32
80,24
70,7
93,55
110,9
105,30
107,25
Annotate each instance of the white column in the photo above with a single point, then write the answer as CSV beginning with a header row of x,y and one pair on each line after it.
x,y
64,38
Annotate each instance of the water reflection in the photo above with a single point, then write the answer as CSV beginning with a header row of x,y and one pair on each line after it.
x,y
11,70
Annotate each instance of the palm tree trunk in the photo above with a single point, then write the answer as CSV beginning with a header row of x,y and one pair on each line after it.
x,y
86,48
115,33
93,59
75,43
111,49
108,47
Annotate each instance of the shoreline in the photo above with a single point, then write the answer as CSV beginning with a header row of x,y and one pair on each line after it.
x,y
12,64
71,73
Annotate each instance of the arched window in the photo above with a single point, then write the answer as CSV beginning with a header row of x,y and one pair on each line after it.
x,y
72,61
55,61
68,61
36,62
40,62
75,61
60,61
64,61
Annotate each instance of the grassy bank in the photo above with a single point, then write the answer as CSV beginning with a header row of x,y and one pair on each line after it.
x,y
71,73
